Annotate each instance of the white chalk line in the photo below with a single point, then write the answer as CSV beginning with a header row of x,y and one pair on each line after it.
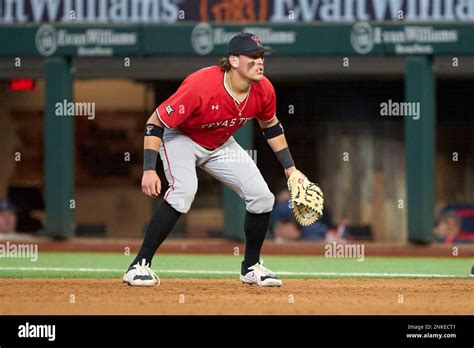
x,y
213,272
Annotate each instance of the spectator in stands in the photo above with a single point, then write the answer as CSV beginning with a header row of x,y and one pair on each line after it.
x,y
7,217
456,225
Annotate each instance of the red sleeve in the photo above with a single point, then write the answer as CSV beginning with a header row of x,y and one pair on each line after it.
x,y
180,106
269,104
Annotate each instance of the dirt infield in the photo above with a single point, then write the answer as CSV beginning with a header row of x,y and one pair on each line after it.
x,y
226,296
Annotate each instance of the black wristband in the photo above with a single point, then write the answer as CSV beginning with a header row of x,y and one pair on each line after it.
x,y
149,159
284,156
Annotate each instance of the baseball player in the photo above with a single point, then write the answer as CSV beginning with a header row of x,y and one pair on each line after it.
x,y
193,128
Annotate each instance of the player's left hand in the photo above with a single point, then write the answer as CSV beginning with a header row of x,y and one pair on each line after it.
x,y
307,199
290,170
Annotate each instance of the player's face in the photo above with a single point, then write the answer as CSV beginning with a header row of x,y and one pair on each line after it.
x,y
251,67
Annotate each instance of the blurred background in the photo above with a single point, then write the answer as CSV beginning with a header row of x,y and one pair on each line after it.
x,y
80,176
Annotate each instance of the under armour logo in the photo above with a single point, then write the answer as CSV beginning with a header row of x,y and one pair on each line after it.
x,y
169,109
148,130
215,107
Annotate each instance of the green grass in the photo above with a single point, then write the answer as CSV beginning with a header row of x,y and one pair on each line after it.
x,y
105,265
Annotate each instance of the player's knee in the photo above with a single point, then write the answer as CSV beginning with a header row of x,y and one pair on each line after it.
x,y
262,204
181,200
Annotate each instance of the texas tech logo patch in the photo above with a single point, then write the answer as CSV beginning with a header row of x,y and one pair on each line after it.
x,y
169,109
257,40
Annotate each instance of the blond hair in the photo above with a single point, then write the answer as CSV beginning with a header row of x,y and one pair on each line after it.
x,y
224,64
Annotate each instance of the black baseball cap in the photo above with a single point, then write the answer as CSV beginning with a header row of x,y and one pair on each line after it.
x,y
246,44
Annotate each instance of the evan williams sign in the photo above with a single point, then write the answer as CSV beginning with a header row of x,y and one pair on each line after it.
x,y
408,39
235,11
371,10
83,42
89,11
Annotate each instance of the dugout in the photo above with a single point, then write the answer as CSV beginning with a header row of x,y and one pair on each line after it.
x,y
343,112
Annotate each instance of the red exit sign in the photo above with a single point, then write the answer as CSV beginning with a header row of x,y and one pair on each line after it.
x,y
22,85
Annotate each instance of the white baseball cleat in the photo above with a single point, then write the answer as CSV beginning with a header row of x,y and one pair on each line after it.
x,y
141,275
257,274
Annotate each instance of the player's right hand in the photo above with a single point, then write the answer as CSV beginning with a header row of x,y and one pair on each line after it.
x,y
151,183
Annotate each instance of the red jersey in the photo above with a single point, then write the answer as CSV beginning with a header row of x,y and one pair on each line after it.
x,y
203,108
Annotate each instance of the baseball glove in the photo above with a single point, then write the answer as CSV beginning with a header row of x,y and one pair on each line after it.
x,y
307,199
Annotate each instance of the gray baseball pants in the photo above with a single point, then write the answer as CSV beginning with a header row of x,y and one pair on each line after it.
x,y
229,164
